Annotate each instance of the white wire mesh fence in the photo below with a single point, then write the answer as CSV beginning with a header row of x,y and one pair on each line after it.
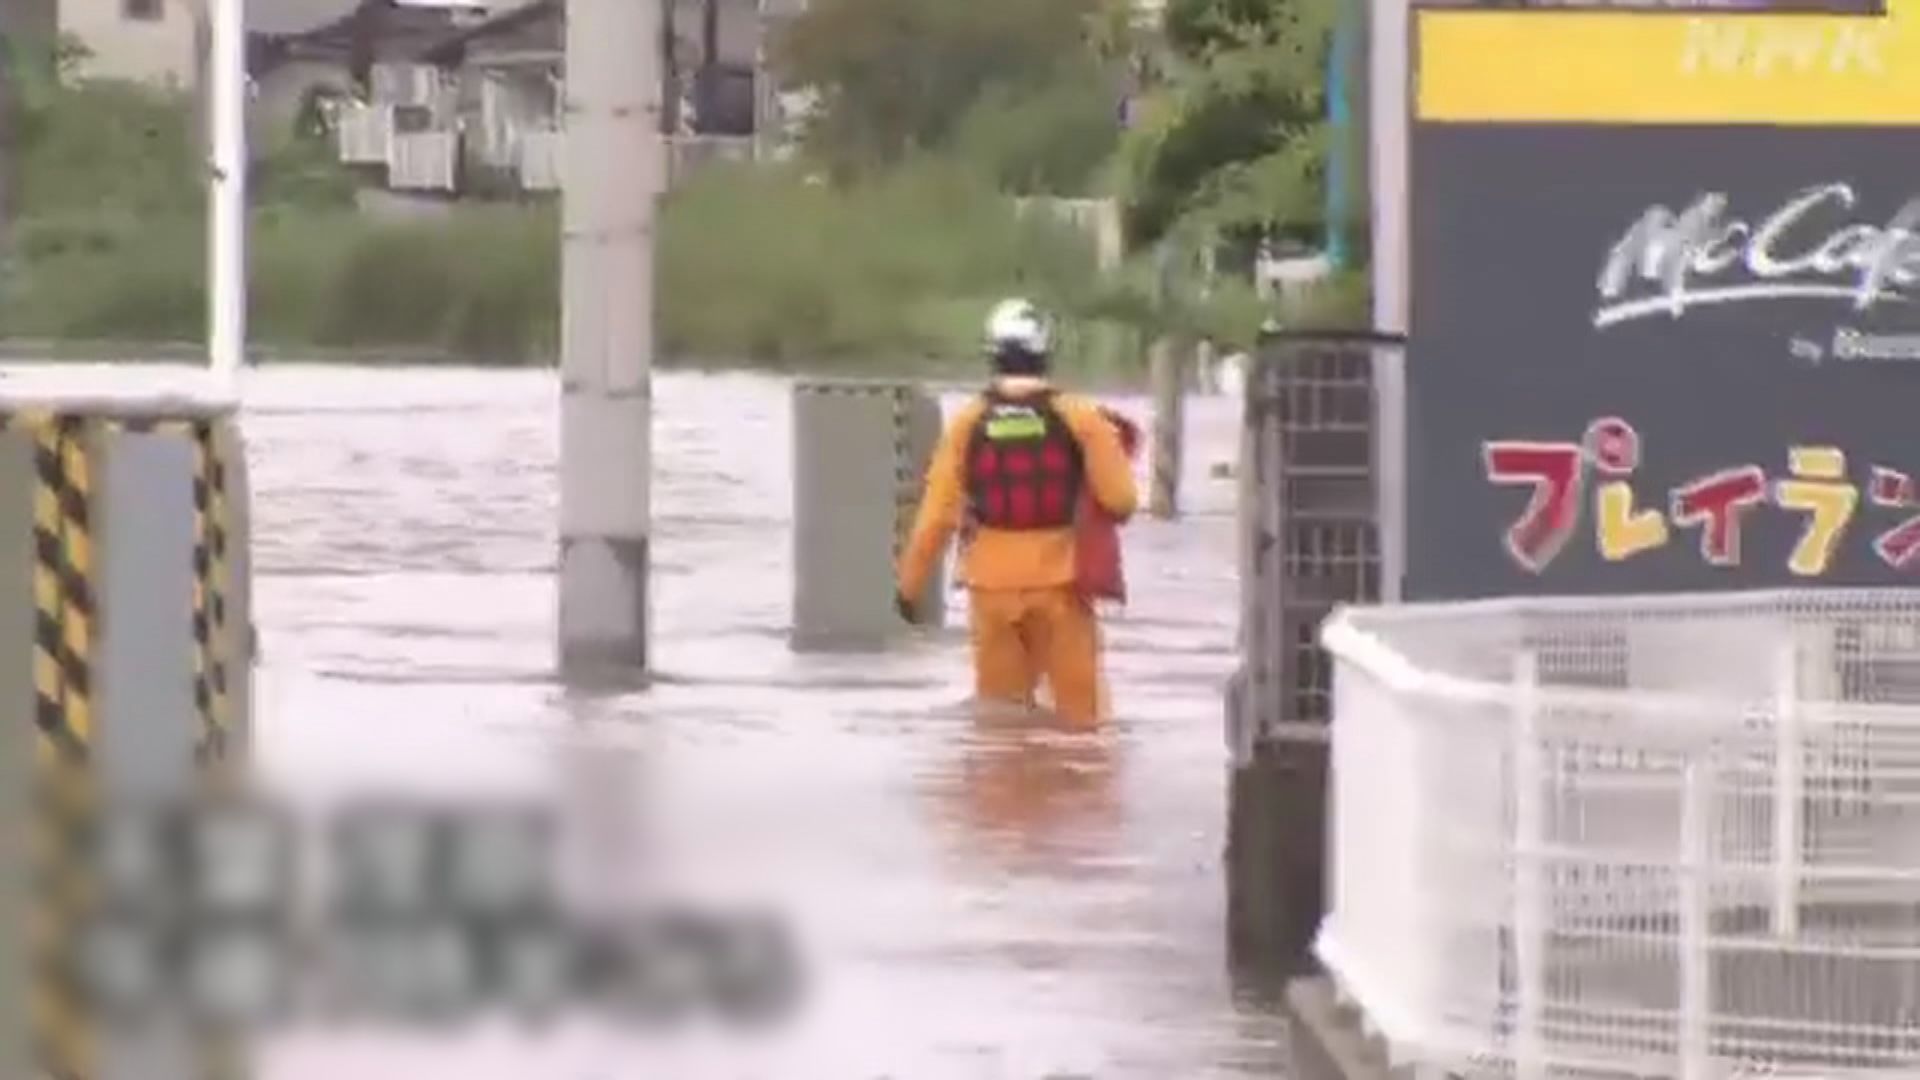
x,y
1633,836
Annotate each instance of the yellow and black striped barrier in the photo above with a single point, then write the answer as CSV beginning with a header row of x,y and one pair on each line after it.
x,y
95,662
63,732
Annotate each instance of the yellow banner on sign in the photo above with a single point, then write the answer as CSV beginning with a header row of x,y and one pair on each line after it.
x,y
1628,67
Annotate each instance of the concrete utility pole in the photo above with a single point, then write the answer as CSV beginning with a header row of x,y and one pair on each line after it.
x,y
613,177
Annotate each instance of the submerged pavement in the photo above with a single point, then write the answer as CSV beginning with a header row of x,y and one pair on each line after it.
x,y
975,897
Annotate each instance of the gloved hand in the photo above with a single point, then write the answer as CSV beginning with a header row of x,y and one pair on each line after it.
x,y
905,607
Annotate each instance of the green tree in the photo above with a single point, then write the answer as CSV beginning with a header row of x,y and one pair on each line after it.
x,y
895,77
1051,139
1232,145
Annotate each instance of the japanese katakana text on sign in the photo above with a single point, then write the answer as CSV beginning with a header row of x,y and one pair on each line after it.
x,y
1588,486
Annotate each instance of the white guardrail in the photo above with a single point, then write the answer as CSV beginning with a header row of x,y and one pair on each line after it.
x,y
1673,836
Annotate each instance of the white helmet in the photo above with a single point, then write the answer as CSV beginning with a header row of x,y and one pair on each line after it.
x,y
1017,325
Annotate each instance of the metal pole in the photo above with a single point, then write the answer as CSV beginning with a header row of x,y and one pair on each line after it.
x,y
1789,792
1696,915
1339,140
1386,54
1389,123
227,193
1531,894
613,176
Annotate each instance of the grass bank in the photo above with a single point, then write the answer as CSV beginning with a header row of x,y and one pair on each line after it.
x,y
332,278
756,264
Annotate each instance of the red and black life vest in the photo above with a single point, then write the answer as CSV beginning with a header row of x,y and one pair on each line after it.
x,y
1023,464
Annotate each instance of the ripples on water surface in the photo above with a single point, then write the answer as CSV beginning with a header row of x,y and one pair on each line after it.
x,y
978,900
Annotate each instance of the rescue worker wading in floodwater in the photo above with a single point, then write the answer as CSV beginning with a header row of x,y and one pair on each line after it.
x,y
1011,466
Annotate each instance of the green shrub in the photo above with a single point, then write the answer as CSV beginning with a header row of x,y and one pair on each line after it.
x,y
1053,140
111,146
483,285
764,264
757,264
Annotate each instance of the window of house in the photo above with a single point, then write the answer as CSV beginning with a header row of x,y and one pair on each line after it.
x,y
144,10
412,119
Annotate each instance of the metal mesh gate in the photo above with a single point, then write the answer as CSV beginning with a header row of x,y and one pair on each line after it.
x,y
1310,525
1310,530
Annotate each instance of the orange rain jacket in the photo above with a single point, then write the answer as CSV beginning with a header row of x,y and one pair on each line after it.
x,y
997,559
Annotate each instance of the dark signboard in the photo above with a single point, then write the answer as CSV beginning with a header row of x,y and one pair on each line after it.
x,y
1653,350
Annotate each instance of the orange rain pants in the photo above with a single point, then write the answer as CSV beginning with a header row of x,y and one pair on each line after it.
x,y
1029,622
1022,636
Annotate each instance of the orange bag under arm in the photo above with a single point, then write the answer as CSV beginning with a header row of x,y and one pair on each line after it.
x,y
1098,573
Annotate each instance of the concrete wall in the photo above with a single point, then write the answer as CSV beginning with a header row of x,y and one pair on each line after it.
x,y
159,50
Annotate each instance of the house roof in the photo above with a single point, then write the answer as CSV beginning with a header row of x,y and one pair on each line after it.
x,y
387,29
517,13
285,18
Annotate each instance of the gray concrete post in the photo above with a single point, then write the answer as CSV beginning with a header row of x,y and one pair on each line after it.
x,y
17,484
860,452
613,177
146,719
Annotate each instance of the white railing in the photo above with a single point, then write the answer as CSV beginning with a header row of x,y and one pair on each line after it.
x,y
365,133
540,159
1634,836
424,161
